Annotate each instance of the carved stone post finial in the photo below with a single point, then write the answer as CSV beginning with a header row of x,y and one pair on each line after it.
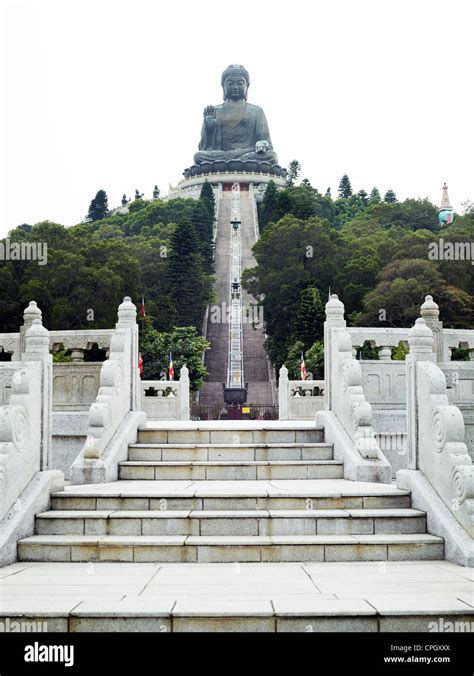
x,y
335,311
31,313
127,312
430,310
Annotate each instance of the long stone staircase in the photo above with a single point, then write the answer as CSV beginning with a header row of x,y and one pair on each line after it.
x,y
215,492
216,359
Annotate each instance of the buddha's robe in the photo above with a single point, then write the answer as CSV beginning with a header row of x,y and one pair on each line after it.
x,y
236,140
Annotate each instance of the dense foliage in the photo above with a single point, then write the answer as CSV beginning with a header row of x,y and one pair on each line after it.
x,y
373,253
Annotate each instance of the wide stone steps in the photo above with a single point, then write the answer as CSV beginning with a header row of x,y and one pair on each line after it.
x,y
235,548
231,435
231,470
238,451
250,522
231,495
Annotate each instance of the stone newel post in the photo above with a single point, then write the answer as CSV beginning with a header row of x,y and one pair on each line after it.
x,y
421,349
334,319
30,313
430,313
127,319
283,394
37,349
184,392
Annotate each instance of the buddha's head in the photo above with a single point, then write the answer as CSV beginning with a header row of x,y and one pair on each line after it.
x,y
235,82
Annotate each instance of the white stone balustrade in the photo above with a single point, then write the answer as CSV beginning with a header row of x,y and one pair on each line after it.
x,y
347,417
25,421
166,399
299,399
118,392
436,434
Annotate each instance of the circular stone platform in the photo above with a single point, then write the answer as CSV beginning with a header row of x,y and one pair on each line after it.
x,y
192,186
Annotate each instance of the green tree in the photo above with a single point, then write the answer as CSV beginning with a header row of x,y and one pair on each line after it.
x,y
374,197
345,188
363,196
185,345
207,196
390,197
269,211
99,207
294,170
313,359
308,324
186,279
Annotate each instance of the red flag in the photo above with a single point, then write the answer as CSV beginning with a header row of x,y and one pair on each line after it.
x,y
171,368
143,308
303,368
140,364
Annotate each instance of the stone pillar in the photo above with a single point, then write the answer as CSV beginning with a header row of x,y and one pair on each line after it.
x,y
184,393
77,355
30,313
430,313
37,349
334,320
420,341
127,319
283,394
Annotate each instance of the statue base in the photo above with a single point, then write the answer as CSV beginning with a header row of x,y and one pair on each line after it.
x,y
191,187
235,166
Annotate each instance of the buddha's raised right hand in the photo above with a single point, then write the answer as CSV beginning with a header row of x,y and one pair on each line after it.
x,y
210,116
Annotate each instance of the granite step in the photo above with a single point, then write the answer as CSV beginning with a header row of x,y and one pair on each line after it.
x,y
231,548
231,495
256,451
250,522
231,470
231,435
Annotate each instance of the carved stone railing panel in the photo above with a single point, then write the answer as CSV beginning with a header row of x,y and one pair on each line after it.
x,y
80,339
436,432
118,382
299,399
344,393
384,383
75,385
166,399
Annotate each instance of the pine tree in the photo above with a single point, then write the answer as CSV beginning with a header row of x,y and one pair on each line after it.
x,y
294,170
207,196
390,197
203,224
306,183
310,315
374,197
99,207
186,282
345,188
269,208
363,196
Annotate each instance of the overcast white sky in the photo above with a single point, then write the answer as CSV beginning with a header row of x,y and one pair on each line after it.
x,y
109,94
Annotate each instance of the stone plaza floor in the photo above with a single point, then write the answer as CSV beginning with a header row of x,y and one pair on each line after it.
x,y
355,596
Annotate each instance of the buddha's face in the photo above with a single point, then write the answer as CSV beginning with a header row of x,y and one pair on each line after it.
x,y
235,88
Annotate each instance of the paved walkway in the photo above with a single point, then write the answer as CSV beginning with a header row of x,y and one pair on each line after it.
x,y
366,596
